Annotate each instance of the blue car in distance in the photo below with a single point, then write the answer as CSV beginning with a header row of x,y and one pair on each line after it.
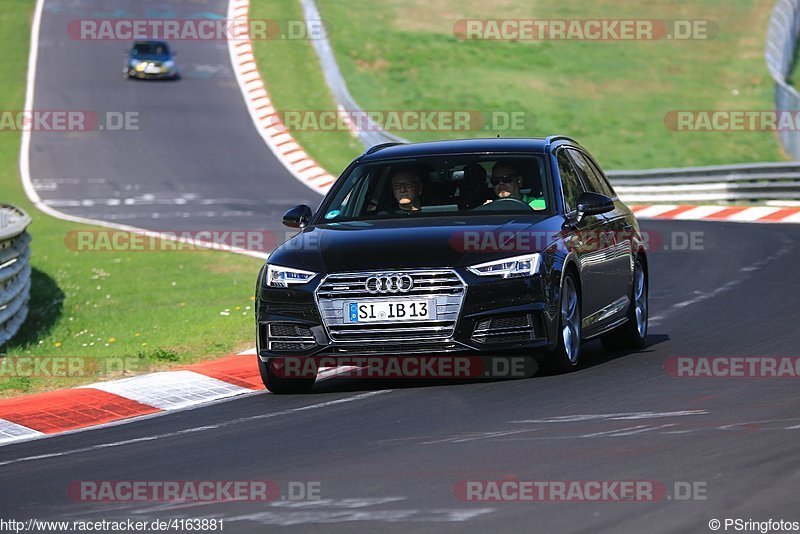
x,y
151,60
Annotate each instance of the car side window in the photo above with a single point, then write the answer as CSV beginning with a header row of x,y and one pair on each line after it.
x,y
590,177
570,183
603,178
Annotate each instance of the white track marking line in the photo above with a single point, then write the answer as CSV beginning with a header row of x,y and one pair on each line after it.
x,y
647,428
198,428
33,60
171,390
316,518
478,436
291,505
609,432
612,416
12,432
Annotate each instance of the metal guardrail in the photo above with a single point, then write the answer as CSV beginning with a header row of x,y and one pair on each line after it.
x,y
15,270
748,182
784,26
753,182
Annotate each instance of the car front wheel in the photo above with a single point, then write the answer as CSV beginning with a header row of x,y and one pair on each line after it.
x,y
276,381
567,354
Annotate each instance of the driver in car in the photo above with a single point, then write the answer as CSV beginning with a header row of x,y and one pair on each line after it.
x,y
506,183
407,189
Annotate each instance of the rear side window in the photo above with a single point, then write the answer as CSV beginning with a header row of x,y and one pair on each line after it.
x,y
591,177
570,183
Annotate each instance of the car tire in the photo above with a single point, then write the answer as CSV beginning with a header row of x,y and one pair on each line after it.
x,y
566,356
631,334
280,384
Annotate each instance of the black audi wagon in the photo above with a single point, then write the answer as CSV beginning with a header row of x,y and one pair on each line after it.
x,y
479,246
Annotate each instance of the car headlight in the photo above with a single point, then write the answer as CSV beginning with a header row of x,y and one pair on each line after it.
x,y
278,276
526,265
169,64
134,62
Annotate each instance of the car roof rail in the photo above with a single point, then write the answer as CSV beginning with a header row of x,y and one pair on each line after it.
x,y
553,138
380,146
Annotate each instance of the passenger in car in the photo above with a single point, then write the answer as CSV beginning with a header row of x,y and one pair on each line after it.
x,y
506,183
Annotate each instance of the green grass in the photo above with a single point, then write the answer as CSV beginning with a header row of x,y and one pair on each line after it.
x,y
611,96
292,74
794,73
150,310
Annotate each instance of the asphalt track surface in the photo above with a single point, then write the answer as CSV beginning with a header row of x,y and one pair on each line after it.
x,y
388,454
196,161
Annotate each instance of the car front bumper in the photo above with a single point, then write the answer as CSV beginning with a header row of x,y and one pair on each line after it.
x,y
475,315
141,75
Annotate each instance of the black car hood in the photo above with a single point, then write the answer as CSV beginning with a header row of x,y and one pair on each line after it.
x,y
420,243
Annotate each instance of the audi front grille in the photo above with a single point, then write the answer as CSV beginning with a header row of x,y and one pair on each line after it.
x,y
336,291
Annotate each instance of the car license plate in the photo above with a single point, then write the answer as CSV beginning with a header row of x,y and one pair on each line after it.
x,y
152,70
391,310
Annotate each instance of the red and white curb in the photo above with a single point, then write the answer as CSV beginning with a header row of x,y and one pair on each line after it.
x,y
754,214
54,412
264,115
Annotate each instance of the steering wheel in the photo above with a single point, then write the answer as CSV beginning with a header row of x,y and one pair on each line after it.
x,y
511,199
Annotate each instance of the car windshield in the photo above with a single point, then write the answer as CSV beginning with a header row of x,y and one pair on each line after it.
x,y
150,49
442,186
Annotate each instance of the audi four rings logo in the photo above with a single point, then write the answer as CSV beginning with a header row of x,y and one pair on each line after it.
x,y
389,283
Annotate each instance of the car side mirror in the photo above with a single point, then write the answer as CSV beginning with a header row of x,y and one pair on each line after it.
x,y
594,204
297,217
